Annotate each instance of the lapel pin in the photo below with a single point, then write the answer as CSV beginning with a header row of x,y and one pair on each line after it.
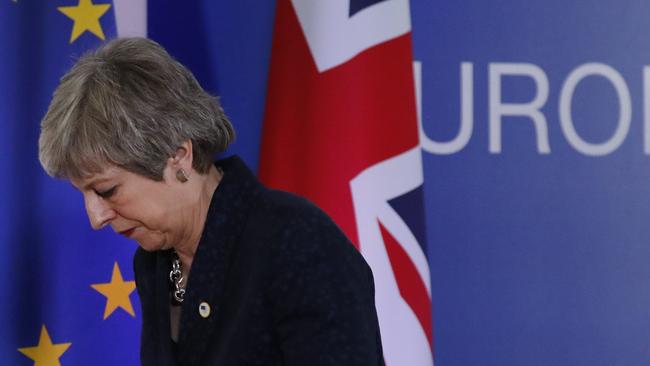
x,y
204,309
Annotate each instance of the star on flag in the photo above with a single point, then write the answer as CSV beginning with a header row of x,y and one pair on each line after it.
x,y
45,353
86,18
117,293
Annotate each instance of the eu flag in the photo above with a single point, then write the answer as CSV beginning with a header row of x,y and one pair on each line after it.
x,y
68,296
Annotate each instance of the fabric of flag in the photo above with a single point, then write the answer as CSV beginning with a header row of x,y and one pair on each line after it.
x,y
68,296
341,129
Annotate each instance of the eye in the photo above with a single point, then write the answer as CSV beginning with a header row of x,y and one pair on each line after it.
x,y
106,194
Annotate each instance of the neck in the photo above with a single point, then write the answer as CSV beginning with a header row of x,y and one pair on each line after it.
x,y
206,186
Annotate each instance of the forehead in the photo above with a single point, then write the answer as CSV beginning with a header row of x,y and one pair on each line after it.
x,y
110,172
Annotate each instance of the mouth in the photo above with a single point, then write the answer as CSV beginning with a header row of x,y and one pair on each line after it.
x,y
128,232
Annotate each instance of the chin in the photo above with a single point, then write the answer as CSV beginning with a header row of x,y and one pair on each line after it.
x,y
147,248
152,245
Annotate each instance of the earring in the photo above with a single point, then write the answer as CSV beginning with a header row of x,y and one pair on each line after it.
x,y
181,176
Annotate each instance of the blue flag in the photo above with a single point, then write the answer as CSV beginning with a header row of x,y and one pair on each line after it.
x,y
70,296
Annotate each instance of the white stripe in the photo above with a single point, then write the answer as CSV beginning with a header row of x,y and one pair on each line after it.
x,y
131,18
380,185
334,37
403,338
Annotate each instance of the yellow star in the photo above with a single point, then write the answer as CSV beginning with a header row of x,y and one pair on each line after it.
x,y
86,18
46,353
117,293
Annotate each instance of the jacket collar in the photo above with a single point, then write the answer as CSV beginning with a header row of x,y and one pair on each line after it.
x,y
164,353
224,224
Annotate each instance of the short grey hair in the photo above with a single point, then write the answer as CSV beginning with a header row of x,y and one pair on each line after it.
x,y
129,103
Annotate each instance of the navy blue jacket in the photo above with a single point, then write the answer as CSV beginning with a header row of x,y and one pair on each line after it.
x,y
284,285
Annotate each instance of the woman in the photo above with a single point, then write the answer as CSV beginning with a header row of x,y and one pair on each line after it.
x,y
228,272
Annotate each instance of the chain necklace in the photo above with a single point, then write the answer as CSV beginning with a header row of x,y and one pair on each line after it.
x,y
176,278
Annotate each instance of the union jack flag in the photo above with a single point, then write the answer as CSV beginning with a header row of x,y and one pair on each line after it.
x,y
341,129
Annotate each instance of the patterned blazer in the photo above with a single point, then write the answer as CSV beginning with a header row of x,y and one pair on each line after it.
x,y
274,282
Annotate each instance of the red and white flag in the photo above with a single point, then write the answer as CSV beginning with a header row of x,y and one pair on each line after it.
x,y
341,129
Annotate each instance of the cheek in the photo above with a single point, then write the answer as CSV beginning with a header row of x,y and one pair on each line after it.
x,y
153,216
148,217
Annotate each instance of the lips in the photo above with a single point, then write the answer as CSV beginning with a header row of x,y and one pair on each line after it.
x,y
128,232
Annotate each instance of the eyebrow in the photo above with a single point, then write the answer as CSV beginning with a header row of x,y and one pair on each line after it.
x,y
88,185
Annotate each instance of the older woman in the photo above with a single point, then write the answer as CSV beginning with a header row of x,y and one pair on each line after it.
x,y
228,272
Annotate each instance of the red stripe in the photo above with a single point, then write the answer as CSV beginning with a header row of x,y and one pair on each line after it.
x,y
322,129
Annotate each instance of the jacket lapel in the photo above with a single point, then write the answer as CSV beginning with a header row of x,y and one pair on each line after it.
x,y
226,218
165,353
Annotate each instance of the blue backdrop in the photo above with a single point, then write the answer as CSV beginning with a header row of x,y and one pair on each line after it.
x,y
536,258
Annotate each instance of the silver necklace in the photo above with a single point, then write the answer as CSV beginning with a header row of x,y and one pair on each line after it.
x,y
176,278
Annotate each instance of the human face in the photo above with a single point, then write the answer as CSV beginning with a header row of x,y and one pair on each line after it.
x,y
134,206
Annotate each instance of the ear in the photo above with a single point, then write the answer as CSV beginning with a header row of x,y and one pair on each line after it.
x,y
183,157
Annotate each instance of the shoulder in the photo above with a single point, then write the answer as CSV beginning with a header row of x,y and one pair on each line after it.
x,y
320,289
299,225
305,244
295,214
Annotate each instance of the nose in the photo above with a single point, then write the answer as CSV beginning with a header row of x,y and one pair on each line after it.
x,y
99,211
